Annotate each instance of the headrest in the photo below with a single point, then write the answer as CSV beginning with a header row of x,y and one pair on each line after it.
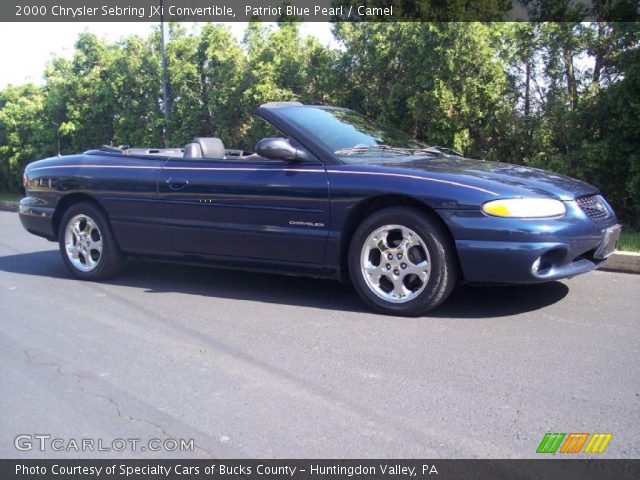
x,y
211,147
192,150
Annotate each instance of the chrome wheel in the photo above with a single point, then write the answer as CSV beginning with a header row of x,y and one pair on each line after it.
x,y
83,242
395,263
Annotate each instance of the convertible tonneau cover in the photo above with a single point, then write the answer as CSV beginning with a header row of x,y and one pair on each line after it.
x,y
176,152
126,150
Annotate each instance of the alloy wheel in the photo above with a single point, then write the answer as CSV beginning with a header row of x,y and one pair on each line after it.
x,y
395,263
83,242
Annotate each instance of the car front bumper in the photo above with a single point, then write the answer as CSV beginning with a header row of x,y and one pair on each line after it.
x,y
37,217
496,250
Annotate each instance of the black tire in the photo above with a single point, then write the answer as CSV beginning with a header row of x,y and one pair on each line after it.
x,y
441,255
110,260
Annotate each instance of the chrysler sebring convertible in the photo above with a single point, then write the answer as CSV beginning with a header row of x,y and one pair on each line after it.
x,y
326,192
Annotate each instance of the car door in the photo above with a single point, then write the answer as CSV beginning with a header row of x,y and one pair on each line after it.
x,y
250,208
126,186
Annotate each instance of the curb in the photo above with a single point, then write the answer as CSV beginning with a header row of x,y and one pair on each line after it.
x,y
9,205
627,262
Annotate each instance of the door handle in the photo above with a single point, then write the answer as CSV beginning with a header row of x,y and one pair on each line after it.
x,y
176,184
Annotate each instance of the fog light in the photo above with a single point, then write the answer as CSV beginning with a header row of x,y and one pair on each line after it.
x,y
536,265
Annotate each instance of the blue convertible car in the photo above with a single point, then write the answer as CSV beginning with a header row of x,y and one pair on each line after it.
x,y
328,193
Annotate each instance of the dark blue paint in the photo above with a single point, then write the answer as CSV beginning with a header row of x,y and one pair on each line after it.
x,y
293,217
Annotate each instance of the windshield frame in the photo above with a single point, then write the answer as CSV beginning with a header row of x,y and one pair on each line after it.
x,y
309,140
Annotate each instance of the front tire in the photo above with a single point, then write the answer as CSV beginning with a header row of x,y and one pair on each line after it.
x,y
87,243
402,262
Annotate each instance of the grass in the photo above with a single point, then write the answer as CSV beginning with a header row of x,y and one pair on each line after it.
x,y
629,240
9,196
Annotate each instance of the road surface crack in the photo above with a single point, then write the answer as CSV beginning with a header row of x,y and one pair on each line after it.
x,y
79,378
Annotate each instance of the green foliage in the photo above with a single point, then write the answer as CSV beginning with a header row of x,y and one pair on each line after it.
x,y
439,81
629,241
24,132
560,96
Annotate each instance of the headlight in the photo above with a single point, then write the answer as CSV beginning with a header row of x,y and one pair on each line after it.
x,y
524,208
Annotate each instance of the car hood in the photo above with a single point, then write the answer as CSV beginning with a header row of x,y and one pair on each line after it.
x,y
509,179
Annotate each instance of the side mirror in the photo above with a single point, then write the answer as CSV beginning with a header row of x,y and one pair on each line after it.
x,y
280,149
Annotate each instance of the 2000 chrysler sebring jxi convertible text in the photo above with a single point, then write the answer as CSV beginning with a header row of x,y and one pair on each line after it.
x,y
326,193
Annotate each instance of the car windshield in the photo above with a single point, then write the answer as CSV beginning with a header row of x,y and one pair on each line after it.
x,y
348,133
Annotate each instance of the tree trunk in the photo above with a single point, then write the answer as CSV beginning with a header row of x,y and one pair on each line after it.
x,y
572,90
598,53
527,89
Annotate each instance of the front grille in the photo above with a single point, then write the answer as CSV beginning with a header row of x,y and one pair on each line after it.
x,y
594,207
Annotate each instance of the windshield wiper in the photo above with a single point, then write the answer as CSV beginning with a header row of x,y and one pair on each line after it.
x,y
435,149
372,148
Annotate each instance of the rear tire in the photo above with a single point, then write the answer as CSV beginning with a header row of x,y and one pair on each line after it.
x,y
402,262
87,244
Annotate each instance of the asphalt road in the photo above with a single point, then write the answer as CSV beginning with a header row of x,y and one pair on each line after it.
x,y
253,365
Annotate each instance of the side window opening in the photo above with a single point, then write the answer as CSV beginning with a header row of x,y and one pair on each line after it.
x,y
256,131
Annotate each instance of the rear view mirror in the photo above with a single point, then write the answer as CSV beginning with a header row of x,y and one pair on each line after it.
x,y
280,149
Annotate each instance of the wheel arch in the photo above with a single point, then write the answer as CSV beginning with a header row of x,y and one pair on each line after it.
x,y
68,201
371,205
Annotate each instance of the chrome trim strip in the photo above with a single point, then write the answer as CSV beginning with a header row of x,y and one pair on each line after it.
x,y
415,177
250,169
142,167
245,169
